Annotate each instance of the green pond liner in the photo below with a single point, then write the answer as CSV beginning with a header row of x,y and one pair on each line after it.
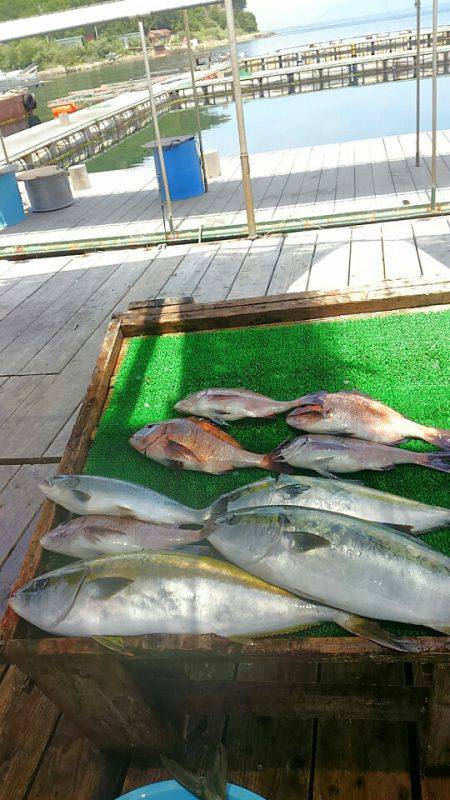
x,y
401,359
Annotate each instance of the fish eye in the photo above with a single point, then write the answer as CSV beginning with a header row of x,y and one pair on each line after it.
x,y
41,583
235,519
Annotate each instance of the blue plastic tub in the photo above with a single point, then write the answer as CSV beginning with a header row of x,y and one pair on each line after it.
x,y
11,207
183,167
171,790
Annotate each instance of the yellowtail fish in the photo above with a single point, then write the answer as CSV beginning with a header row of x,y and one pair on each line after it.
x,y
357,414
195,444
96,535
329,454
343,497
144,593
227,405
94,494
359,566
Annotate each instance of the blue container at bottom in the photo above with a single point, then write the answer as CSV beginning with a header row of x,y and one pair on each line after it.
x,y
183,167
171,790
11,207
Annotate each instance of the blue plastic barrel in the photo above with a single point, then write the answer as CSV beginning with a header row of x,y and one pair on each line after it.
x,y
171,790
11,207
183,167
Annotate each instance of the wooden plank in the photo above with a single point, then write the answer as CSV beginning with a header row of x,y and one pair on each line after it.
x,y
15,392
357,759
399,251
121,272
74,766
293,267
433,246
401,176
218,278
20,500
257,268
366,256
59,443
287,204
28,277
436,731
271,756
28,719
190,271
48,327
331,262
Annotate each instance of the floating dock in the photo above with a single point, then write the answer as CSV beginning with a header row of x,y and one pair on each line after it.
x,y
300,187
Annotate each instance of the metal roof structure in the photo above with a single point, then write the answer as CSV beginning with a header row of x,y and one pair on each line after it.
x,y
89,15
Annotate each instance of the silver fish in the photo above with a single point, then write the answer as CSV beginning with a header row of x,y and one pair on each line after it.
x,y
343,497
358,414
143,593
96,535
227,405
93,494
329,454
358,566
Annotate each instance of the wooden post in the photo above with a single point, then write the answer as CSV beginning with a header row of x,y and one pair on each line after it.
x,y
436,735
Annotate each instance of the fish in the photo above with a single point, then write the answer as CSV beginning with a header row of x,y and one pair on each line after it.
x,y
96,535
358,566
195,444
357,414
94,494
172,593
228,405
329,454
211,786
343,497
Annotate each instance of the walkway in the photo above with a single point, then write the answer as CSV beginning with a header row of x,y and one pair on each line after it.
x,y
287,184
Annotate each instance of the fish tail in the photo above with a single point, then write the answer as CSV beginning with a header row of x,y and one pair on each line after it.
x,y
369,629
437,436
439,461
275,460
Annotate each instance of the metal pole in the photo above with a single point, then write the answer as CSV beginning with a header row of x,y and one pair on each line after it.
x,y
195,95
417,4
5,152
156,127
245,164
434,109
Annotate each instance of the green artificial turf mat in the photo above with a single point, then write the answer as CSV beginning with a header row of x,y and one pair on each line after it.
x,y
401,359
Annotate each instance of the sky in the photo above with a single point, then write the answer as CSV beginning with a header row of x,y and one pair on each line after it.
x,y
274,14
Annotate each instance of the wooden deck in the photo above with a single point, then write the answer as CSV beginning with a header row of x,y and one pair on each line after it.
x,y
287,184
53,315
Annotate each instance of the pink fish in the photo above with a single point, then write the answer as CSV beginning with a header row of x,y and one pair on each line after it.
x,y
357,414
227,405
195,444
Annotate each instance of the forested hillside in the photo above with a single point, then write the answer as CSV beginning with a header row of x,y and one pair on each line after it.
x,y
207,24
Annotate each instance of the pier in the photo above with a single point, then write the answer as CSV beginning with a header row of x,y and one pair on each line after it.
x,y
307,184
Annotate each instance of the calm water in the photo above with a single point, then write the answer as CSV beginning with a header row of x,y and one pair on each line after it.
x,y
273,123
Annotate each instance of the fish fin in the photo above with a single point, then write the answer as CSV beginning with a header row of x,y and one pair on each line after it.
x,y
370,629
125,511
439,461
116,643
292,490
307,541
219,421
401,528
442,629
66,611
191,526
83,497
275,459
176,450
309,409
208,426
105,588
193,783
94,533
437,436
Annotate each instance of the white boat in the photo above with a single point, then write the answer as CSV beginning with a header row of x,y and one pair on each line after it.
x,y
19,79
